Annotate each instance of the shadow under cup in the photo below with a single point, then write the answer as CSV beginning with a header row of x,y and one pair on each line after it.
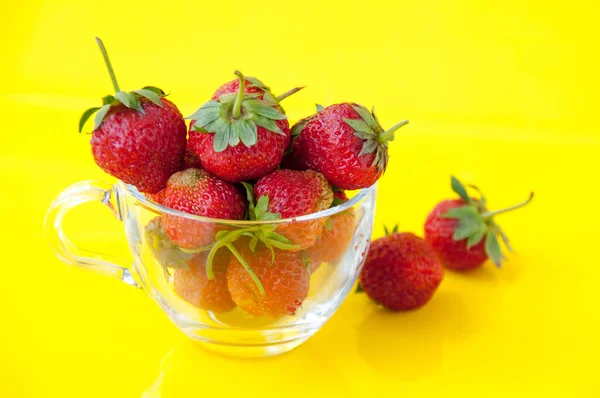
x,y
302,283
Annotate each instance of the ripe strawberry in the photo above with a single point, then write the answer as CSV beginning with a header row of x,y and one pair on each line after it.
x,y
401,272
194,286
336,235
241,134
283,281
346,143
196,191
290,194
138,137
463,232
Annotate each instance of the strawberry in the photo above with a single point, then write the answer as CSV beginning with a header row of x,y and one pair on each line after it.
x,y
462,231
193,285
267,284
198,192
240,134
336,235
346,143
290,194
138,136
401,271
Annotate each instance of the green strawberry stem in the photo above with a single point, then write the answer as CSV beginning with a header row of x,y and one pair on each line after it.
x,y
224,241
246,266
489,214
111,72
237,106
386,136
288,93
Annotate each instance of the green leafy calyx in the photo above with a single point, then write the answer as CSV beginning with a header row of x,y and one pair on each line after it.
x,y
235,118
129,99
375,138
475,222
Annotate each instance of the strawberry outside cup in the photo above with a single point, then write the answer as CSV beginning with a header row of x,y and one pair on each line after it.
x,y
234,295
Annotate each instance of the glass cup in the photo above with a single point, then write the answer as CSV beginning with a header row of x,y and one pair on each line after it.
x,y
216,279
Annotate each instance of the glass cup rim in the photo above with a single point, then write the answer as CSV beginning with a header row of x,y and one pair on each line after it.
x,y
158,208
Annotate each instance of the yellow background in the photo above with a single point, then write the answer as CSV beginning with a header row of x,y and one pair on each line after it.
x,y
502,94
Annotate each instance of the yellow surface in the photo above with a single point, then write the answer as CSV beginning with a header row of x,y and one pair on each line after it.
x,y
503,94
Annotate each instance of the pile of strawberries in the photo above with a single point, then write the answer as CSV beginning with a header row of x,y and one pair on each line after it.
x,y
240,160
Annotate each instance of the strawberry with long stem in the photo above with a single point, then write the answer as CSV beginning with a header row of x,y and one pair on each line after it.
x,y
138,136
463,231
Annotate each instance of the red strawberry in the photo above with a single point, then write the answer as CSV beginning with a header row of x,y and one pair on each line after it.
x,y
240,134
401,272
196,191
290,194
267,285
346,143
463,232
193,285
336,235
138,137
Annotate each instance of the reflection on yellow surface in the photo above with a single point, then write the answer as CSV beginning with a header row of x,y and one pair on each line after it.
x,y
502,94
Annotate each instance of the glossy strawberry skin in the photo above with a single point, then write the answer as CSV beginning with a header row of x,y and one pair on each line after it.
x,y
198,192
401,272
453,254
193,285
328,144
335,238
143,150
295,193
242,163
285,281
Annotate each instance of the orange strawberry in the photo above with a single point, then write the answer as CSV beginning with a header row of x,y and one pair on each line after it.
x,y
194,286
283,281
335,236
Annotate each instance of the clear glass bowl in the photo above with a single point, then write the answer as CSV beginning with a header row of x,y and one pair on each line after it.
x,y
331,268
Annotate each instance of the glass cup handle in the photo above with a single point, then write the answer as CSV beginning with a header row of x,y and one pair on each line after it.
x,y
75,195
